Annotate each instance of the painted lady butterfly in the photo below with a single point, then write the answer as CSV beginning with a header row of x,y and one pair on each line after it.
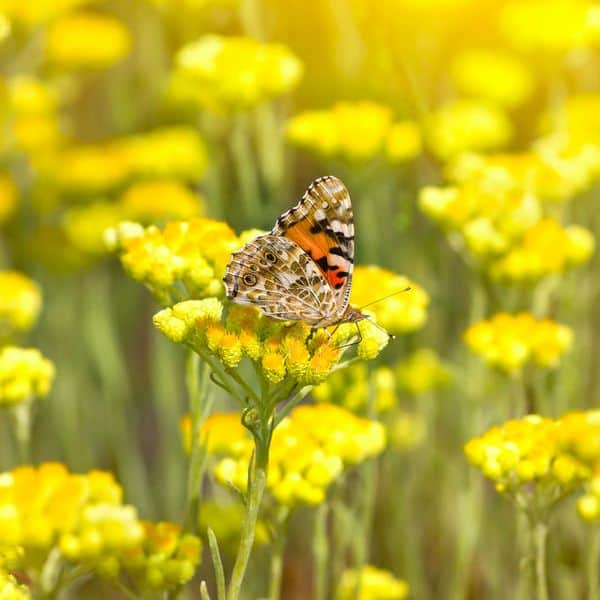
x,y
302,269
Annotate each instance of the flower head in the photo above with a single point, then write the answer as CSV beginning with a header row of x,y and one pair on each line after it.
x,y
510,341
20,303
421,372
85,39
374,584
310,448
404,312
355,132
24,374
232,73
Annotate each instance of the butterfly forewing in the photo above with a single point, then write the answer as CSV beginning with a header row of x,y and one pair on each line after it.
x,y
322,225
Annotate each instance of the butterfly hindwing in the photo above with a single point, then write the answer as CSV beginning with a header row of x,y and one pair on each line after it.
x,y
322,225
277,276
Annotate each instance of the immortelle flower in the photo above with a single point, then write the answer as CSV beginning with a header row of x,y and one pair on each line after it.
x,y
24,375
510,341
309,450
588,504
234,73
421,372
355,131
86,40
370,583
467,125
82,518
192,254
10,589
20,303
537,456
547,25
546,248
492,75
403,312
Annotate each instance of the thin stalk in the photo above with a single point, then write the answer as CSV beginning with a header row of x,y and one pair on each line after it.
x,y
22,416
540,534
245,166
320,551
276,568
256,488
197,385
593,562
217,564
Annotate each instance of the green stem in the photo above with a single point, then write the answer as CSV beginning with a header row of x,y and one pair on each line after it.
x,y
245,166
256,488
197,385
540,534
22,416
593,561
278,548
320,551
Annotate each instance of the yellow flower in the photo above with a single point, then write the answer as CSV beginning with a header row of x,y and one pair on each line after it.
x,y
273,365
158,200
353,387
308,451
231,73
38,12
405,430
464,125
10,589
403,141
402,313
8,197
492,75
588,505
546,248
421,372
355,132
551,25
510,341
84,226
540,451
373,583
24,375
86,40
82,516
193,252
20,303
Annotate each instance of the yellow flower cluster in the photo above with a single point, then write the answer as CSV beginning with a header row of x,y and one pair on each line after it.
x,y
353,388
33,105
192,254
10,589
370,583
233,73
404,312
588,504
170,152
546,248
492,75
549,25
8,197
282,352
356,131
309,450
421,372
20,303
467,125
538,450
24,374
46,507
510,341
86,40
38,12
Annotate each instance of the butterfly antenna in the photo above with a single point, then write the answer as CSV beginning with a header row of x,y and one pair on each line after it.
x,y
406,289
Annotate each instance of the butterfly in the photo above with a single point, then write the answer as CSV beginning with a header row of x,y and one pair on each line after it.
x,y
302,269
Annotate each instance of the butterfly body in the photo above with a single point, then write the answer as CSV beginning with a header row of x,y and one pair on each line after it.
x,y
302,269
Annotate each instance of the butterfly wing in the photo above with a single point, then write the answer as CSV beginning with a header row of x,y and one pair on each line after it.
x,y
322,224
277,276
